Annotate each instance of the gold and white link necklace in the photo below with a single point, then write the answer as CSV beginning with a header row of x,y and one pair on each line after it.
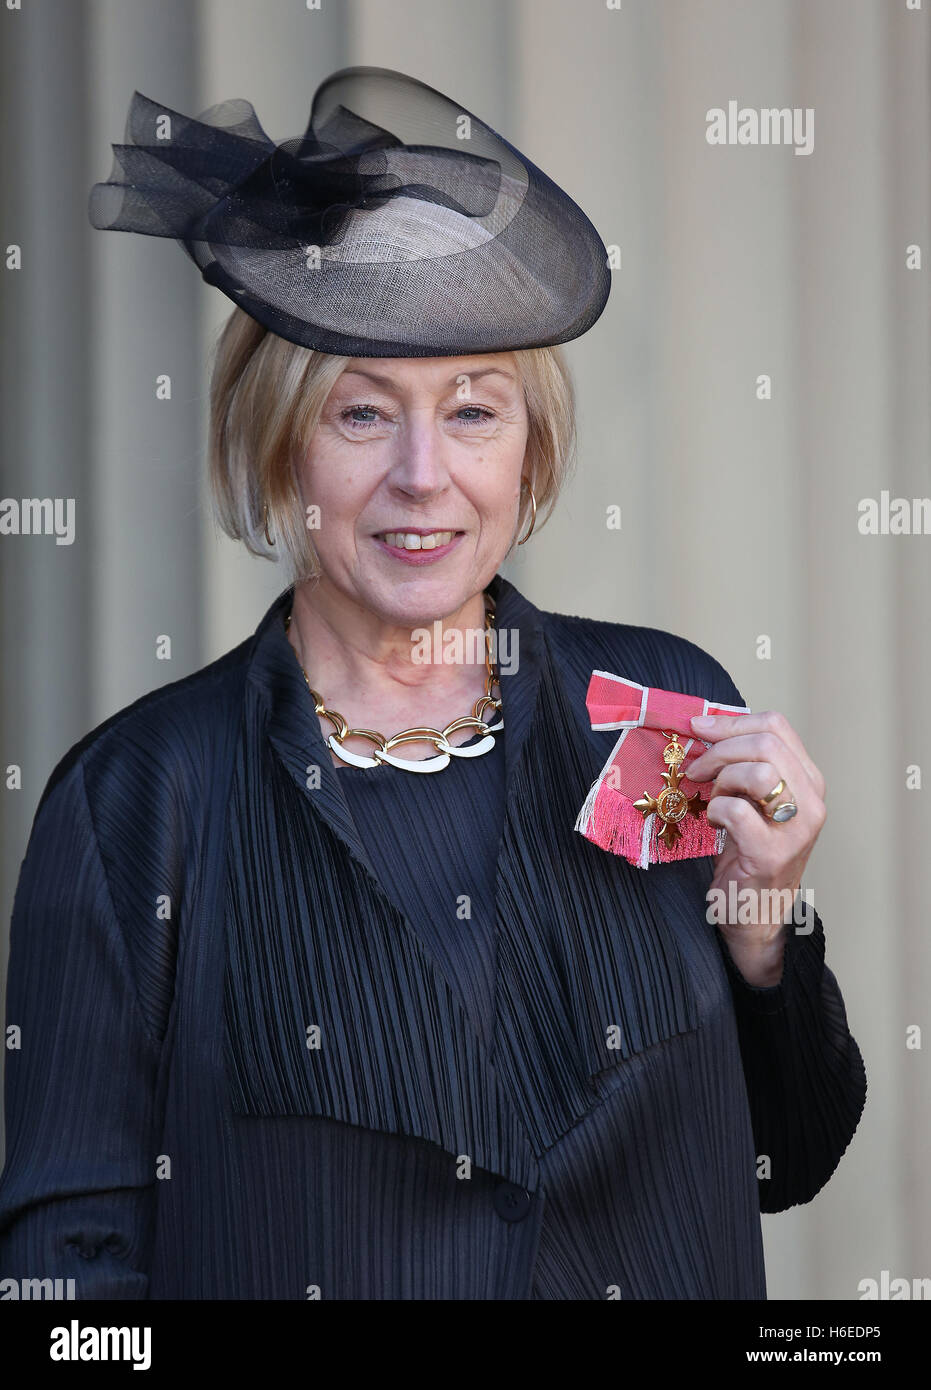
x,y
438,737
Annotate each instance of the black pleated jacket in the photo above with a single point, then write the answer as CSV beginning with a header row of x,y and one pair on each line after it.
x,y
238,1070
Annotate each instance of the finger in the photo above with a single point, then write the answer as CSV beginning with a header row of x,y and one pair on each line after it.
x,y
756,780
747,831
766,721
752,747
767,850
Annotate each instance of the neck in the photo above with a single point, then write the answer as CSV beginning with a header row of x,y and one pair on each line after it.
x,y
371,669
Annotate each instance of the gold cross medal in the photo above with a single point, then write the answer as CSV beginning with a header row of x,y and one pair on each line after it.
x,y
672,804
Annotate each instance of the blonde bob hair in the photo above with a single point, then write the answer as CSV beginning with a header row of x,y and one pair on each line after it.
x,y
266,398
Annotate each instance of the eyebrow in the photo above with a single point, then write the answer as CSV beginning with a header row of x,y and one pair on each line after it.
x,y
389,385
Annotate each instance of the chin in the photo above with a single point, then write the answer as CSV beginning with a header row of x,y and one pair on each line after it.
x,y
421,598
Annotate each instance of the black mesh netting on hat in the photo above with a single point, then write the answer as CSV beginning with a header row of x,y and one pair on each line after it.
x,y
398,225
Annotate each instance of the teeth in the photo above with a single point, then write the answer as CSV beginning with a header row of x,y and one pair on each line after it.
x,y
408,540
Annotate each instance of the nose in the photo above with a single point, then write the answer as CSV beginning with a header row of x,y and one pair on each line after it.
x,y
419,469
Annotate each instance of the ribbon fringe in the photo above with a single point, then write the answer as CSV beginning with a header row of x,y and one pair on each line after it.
x,y
612,822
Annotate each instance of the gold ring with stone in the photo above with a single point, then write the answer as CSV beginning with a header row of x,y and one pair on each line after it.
x,y
784,811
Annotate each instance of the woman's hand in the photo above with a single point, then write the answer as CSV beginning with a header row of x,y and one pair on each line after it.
x,y
750,754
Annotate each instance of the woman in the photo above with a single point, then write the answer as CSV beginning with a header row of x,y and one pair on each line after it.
x,y
298,1024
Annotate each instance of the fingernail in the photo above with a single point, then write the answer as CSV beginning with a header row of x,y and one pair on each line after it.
x,y
703,721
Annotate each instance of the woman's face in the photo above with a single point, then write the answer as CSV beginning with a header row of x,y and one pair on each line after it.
x,y
409,448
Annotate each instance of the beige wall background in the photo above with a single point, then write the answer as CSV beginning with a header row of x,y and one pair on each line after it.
x,y
739,516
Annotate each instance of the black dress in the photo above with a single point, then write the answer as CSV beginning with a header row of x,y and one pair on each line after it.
x,y
433,838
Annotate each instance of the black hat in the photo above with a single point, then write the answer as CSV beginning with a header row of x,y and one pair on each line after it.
x,y
398,225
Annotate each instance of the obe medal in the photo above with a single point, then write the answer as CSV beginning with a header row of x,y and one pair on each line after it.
x,y
672,804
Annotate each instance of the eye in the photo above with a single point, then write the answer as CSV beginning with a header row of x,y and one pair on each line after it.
x,y
480,414
352,410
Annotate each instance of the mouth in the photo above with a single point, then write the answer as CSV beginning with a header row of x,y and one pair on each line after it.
x,y
419,546
416,539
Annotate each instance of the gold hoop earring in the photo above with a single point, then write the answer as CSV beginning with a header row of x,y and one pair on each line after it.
x,y
267,536
533,515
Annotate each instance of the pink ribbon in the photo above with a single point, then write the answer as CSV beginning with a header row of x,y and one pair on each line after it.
x,y
635,768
